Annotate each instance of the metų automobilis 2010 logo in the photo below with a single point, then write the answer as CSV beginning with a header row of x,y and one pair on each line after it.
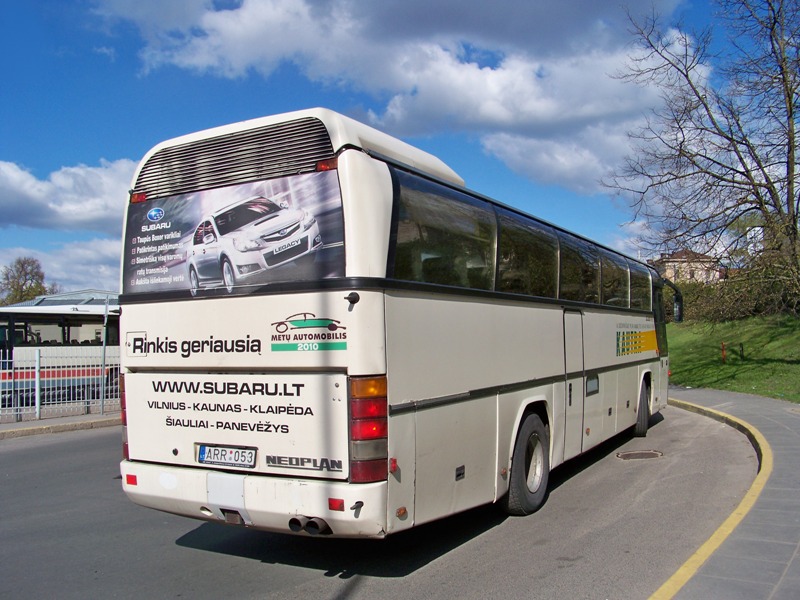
x,y
303,333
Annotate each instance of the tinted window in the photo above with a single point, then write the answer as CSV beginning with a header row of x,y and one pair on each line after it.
x,y
528,257
640,286
661,319
579,270
614,273
442,236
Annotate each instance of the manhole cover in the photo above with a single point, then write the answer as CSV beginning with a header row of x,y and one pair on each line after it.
x,y
639,454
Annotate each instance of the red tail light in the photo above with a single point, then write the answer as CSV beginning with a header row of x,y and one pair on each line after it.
x,y
367,471
328,165
369,429
368,408
137,197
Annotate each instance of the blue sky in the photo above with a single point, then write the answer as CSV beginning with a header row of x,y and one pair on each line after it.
x,y
516,96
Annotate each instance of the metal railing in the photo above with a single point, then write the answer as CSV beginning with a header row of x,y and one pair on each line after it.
x,y
56,381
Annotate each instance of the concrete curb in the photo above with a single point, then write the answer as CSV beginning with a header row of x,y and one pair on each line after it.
x,y
60,427
757,440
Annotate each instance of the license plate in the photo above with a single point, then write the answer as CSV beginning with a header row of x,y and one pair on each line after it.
x,y
227,456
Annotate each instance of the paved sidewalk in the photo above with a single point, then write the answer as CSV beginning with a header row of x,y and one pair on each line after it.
x,y
58,424
761,557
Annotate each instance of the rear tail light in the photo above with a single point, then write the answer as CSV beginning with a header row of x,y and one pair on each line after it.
x,y
328,165
368,429
368,471
123,406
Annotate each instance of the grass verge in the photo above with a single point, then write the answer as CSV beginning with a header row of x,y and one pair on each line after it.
x,y
762,356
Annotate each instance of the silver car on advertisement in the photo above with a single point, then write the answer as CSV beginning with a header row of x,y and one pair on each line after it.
x,y
250,237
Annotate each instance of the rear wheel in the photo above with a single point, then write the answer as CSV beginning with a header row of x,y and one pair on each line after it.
x,y
530,468
643,412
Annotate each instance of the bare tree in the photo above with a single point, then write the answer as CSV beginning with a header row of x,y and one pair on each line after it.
x,y
23,280
714,168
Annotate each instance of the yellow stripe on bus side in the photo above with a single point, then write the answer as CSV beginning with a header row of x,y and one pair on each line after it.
x,y
635,342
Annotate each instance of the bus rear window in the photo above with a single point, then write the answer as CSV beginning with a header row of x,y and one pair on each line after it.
x,y
236,239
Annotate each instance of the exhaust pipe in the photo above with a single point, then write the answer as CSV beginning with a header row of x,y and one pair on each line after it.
x,y
298,524
317,526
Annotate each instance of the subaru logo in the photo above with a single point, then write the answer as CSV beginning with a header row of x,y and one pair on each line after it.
x,y
155,214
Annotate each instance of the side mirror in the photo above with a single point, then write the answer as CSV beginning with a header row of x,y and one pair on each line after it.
x,y
677,309
677,302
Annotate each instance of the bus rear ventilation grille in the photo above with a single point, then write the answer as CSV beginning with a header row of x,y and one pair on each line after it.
x,y
242,157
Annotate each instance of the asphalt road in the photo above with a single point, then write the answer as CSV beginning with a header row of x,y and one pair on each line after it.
x,y
611,528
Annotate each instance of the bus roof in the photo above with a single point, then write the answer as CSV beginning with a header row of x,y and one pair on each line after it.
x,y
343,132
83,304
69,311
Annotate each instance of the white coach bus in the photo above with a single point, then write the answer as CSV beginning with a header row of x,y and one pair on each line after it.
x,y
325,333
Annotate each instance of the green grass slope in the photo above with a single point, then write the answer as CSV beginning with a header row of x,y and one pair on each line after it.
x,y
763,356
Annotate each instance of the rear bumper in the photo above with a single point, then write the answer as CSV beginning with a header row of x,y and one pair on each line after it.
x,y
262,502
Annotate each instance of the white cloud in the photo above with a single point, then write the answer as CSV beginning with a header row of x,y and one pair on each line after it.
x,y
80,198
577,161
109,53
536,72
76,265
629,239
72,198
157,20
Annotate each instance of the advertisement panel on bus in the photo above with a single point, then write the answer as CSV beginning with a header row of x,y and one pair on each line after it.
x,y
237,238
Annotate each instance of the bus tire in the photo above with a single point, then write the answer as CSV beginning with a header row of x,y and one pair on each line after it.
x,y
530,468
642,413
228,275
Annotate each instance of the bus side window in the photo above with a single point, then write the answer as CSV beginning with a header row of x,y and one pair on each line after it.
x,y
112,333
660,318
579,269
442,269
528,257
640,286
442,236
614,274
